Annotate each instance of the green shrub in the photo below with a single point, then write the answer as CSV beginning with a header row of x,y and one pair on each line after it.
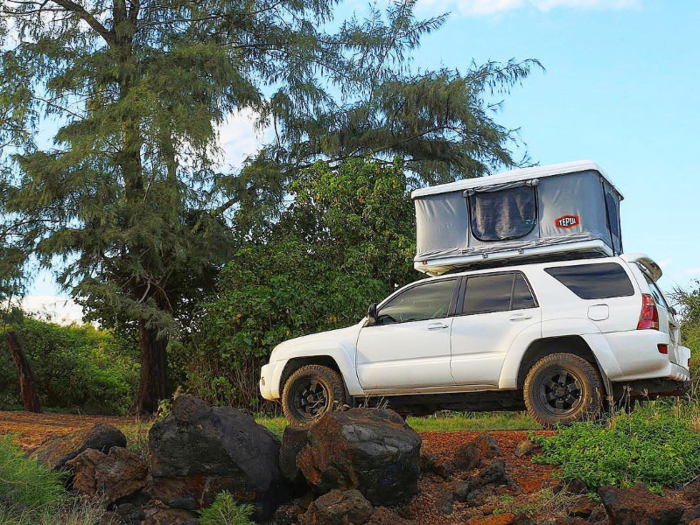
x,y
24,484
654,445
75,367
345,242
226,511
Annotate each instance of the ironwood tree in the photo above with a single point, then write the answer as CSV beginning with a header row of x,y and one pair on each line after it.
x,y
126,199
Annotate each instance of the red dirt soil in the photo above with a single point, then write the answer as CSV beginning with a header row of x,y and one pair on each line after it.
x,y
33,429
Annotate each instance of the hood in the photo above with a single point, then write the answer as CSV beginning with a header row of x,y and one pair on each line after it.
x,y
346,337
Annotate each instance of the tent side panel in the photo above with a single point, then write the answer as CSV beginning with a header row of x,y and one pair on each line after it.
x,y
580,197
442,225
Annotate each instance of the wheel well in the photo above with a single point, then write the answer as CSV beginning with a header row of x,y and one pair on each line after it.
x,y
571,344
295,364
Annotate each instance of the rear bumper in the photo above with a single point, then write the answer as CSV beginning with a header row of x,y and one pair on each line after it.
x,y
651,388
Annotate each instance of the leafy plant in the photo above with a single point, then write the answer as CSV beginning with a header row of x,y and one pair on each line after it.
x,y
654,445
226,511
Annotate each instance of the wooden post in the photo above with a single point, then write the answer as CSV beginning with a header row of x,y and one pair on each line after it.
x,y
27,385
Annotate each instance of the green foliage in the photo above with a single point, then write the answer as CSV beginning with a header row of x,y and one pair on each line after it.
x,y
688,301
654,445
226,511
24,483
75,367
346,241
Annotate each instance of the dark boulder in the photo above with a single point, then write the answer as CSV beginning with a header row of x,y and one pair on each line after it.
x,y
371,450
339,508
524,448
288,514
638,506
691,515
160,514
470,455
577,486
583,507
57,451
112,476
294,440
198,451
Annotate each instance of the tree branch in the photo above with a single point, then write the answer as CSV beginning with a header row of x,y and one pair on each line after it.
x,y
79,10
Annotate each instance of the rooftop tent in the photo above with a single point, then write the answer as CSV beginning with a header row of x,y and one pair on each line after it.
x,y
546,211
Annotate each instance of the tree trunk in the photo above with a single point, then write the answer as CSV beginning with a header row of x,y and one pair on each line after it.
x,y
27,386
153,384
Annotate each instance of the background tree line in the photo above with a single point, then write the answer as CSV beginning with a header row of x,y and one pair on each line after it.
x,y
128,204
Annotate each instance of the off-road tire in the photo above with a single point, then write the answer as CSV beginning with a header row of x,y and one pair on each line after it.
x,y
549,401
299,382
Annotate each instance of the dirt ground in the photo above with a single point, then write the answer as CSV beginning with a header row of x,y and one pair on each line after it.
x,y
33,429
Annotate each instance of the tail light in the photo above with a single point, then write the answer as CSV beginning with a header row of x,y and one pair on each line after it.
x,y
649,318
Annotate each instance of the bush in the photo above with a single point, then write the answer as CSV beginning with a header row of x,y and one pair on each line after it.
x,y
654,445
346,241
75,367
226,511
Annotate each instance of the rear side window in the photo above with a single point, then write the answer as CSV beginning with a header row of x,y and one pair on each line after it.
x,y
656,292
497,293
594,281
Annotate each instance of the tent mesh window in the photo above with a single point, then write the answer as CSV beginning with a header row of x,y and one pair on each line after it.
x,y
503,215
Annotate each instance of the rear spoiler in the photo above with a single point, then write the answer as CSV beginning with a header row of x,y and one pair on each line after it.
x,y
646,264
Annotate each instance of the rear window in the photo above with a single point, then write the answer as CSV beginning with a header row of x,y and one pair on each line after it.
x,y
594,281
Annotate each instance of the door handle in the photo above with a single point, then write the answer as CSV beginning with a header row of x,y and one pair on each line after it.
x,y
437,326
520,317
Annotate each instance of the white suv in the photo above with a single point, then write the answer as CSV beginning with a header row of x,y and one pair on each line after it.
x,y
560,338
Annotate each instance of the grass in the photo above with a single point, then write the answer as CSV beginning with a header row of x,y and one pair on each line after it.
x,y
30,494
25,483
544,502
441,422
473,422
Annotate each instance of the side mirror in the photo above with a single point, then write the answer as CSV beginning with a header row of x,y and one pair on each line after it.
x,y
372,313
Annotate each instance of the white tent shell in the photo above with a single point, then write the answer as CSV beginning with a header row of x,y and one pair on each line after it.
x,y
570,209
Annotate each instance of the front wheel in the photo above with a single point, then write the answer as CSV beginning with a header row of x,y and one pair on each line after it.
x,y
310,392
563,388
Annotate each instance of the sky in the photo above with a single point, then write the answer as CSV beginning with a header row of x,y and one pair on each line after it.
x,y
621,87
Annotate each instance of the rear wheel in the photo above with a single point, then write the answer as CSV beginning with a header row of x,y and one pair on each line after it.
x,y
310,392
563,388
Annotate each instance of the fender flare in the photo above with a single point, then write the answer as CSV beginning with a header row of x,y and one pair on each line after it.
x,y
586,330
342,356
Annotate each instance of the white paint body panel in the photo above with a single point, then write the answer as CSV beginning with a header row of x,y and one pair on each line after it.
x,y
484,351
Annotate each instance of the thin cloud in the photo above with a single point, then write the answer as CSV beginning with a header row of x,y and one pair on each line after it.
x,y
693,271
494,7
239,137
666,263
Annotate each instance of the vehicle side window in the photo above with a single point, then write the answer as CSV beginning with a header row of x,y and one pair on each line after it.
x,y
496,293
425,301
656,292
522,296
594,281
